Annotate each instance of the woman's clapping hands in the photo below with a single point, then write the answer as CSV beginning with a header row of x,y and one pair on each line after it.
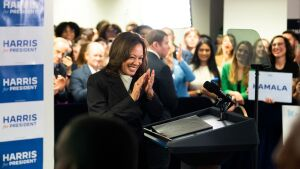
x,y
144,82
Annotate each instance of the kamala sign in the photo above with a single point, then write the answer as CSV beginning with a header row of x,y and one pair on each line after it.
x,y
274,85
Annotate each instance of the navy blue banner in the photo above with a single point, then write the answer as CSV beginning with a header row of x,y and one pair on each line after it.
x,y
21,83
22,154
21,13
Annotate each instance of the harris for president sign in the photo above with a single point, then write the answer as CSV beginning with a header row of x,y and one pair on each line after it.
x,y
21,13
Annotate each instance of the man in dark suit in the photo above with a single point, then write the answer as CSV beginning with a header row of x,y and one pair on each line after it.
x,y
163,83
157,157
96,60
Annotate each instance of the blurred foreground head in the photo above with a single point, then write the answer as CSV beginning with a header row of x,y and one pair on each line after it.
x,y
287,156
90,142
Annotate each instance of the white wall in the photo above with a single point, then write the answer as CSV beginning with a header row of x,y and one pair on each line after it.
x,y
293,9
87,13
267,17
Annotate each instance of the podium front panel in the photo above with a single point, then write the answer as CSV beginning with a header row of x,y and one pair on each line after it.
x,y
213,145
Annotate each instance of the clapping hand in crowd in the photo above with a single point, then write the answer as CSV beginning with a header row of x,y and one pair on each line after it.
x,y
59,84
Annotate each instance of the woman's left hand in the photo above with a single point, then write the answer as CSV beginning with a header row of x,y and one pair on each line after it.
x,y
136,91
149,80
179,53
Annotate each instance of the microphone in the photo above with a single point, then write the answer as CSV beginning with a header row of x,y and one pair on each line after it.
x,y
213,88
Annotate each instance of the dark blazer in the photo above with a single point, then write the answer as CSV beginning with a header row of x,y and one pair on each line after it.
x,y
163,84
107,96
78,83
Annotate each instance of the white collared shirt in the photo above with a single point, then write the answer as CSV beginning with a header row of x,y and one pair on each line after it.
x,y
126,80
92,69
150,50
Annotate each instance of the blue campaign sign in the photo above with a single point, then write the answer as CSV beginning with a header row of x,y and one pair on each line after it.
x,y
22,154
21,13
21,83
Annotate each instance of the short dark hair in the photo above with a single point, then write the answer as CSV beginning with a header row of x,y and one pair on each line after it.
x,y
155,35
101,24
63,25
90,141
294,35
139,29
104,28
120,52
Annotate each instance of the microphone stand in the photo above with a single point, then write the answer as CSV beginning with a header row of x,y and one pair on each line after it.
x,y
223,105
257,68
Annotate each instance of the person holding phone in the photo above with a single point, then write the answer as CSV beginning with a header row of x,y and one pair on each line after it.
x,y
62,70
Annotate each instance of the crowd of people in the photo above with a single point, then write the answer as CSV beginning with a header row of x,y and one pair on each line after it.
x,y
137,75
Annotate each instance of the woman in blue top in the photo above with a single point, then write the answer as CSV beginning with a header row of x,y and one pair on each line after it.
x,y
181,72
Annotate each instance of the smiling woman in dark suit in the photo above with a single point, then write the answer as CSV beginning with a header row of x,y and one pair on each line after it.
x,y
123,89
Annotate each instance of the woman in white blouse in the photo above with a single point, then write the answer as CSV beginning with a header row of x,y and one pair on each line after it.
x,y
204,67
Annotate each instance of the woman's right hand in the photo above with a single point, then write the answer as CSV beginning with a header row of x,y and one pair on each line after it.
x,y
269,100
238,97
136,91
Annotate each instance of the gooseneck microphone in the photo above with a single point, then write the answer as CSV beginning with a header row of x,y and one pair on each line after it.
x,y
225,100
213,88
